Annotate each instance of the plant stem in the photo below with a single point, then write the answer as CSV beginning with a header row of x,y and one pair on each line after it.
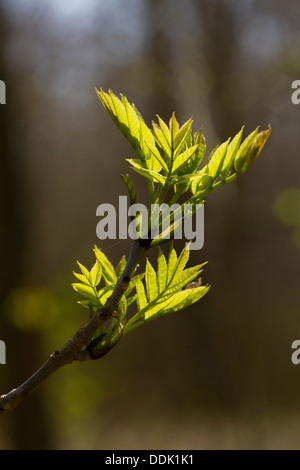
x,y
74,350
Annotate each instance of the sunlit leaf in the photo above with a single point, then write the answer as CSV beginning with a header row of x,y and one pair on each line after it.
x,y
151,282
241,156
96,273
107,268
216,160
231,153
141,295
162,270
183,157
121,266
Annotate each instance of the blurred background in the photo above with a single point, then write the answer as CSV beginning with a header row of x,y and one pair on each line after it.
x,y
219,374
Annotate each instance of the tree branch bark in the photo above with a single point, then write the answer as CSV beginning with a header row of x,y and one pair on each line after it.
x,y
74,350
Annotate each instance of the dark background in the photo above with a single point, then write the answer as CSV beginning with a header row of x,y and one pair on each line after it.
x,y
218,374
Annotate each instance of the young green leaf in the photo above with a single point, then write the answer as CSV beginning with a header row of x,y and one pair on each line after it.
x,y
257,146
183,157
216,160
141,295
182,135
241,156
95,274
107,268
85,290
151,175
151,282
162,271
121,266
129,184
231,153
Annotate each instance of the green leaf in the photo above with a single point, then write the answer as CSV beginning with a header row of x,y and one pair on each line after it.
x,y
257,146
133,283
174,127
85,290
96,273
122,308
172,262
231,153
107,268
127,119
241,157
121,266
182,260
136,163
182,135
129,184
162,270
133,119
171,279
151,175
183,299
83,279
141,295
165,131
201,180
158,156
161,141
216,160
151,282
87,303
183,157
84,270
147,136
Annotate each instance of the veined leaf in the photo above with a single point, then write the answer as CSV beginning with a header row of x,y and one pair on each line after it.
x,y
122,308
82,278
158,156
147,136
257,146
133,119
231,153
161,141
181,136
107,268
172,263
216,160
183,157
89,303
128,120
133,283
162,289
165,131
151,175
85,290
241,156
84,270
141,295
151,282
201,180
96,273
182,260
129,184
184,298
162,270
136,163
121,266
174,127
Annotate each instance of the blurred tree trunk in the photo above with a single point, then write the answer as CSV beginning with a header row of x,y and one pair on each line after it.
x,y
27,427
158,52
219,42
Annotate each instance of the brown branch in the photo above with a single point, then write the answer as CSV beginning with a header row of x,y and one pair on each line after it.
x,y
74,350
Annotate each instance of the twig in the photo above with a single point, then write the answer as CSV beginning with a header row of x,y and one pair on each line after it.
x,y
74,350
